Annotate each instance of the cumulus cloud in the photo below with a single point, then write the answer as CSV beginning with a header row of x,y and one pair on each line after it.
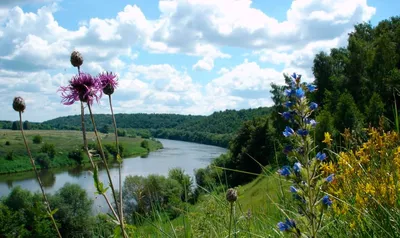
x,y
33,44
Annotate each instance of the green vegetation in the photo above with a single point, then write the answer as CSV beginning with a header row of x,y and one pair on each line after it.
x,y
59,149
216,129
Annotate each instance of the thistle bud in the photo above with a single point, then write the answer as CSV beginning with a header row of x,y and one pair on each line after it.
x,y
231,195
76,59
19,104
108,90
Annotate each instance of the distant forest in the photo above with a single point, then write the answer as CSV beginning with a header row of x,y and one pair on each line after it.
x,y
215,129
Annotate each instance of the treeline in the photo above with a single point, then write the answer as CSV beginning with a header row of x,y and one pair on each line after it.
x,y
27,125
357,86
216,129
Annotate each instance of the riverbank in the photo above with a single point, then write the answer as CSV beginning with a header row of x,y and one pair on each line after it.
x,y
56,146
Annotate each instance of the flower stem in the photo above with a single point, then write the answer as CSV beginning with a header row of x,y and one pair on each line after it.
x,y
49,211
85,144
121,212
230,219
102,155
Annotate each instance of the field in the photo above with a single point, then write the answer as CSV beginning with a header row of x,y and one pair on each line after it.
x,y
13,155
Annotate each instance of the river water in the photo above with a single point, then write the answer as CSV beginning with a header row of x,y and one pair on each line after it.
x,y
186,155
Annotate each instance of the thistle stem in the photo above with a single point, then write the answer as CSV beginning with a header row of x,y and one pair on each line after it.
x,y
49,211
102,155
85,144
121,212
230,219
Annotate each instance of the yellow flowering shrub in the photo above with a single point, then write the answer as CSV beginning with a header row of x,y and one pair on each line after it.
x,y
368,176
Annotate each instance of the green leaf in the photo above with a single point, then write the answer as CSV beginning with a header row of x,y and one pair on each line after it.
x,y
97,183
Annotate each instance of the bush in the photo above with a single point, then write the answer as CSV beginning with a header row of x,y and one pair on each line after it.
x,y
43,160
112,150
10,155
145,144
121,133
7,143
37,139
49,149
76,155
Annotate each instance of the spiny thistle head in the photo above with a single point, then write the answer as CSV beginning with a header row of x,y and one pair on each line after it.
x,y
82,87
76,59
108,82
231,195
19,104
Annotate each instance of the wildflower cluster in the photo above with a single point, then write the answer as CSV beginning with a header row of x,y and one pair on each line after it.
x,y
86,88
367,178
305,174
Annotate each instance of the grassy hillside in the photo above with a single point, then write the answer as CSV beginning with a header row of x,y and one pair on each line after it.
x,y
64,142
256,212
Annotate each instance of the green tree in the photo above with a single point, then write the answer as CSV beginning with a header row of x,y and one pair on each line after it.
x,y
26,125
15,126
37,139
184,180
49,149
347,114
374,110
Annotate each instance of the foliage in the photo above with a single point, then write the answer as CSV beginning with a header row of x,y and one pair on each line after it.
x,y
10,155
7,143
26,125
76,155
49,149
43,160
37,139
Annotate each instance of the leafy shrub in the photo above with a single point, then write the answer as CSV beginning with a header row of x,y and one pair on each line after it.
x,y
43,160
76,155
37,139
145,144
121,133
7,143
110,148
10,155
49,149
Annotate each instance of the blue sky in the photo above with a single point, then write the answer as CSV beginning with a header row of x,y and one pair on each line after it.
x,y
171,56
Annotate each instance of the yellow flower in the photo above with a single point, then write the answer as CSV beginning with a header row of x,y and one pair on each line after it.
x,y
328,139
369,189
352,225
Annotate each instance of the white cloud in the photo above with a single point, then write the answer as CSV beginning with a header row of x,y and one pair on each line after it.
x,y
31,42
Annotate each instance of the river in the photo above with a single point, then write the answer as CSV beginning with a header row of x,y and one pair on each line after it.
x,y
186,155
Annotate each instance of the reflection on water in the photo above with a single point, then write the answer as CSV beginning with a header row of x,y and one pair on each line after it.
x,y
48,178
188,156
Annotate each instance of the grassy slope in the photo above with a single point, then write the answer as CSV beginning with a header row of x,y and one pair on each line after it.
x,y
210,217
64,142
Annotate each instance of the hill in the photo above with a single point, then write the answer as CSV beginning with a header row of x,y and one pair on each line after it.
x,y
215,129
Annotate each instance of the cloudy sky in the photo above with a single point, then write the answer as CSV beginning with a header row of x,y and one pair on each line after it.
x,y
171,56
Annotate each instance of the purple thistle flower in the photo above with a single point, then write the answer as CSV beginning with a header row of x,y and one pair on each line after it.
x,y
326,200
108,82
313,106
288,131
321,156
285,171
82,87
330,178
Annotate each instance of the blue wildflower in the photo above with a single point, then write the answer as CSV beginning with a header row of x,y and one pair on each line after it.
x,y
321,156
285,171
293,189
287,149
302,132
294,75
299,93
326,200
311,122
288,92
288,104
287,115
297,167
286,226
313,106
311,88
288,131
329,178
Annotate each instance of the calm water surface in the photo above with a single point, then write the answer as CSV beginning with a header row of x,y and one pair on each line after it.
x,y
188,156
